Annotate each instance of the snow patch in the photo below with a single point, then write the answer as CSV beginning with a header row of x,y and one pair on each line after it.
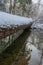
x,y
37,25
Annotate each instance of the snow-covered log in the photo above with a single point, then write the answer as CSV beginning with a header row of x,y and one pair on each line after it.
x,y
8,20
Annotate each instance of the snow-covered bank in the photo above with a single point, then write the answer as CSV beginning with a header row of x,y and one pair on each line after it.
x,y
9,19
38,25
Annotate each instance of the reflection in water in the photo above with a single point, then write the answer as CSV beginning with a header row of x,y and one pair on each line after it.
x,y
36,38
35,55
30,55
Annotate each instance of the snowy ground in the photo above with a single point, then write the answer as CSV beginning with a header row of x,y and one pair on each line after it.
x,y
38,24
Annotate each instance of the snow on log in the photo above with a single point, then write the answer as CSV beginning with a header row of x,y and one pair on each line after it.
x,y
9,19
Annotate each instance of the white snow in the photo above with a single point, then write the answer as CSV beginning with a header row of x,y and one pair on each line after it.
x,y
38,25
9,19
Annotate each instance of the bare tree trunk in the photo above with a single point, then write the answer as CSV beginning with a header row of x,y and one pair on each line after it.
x,y
10,8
